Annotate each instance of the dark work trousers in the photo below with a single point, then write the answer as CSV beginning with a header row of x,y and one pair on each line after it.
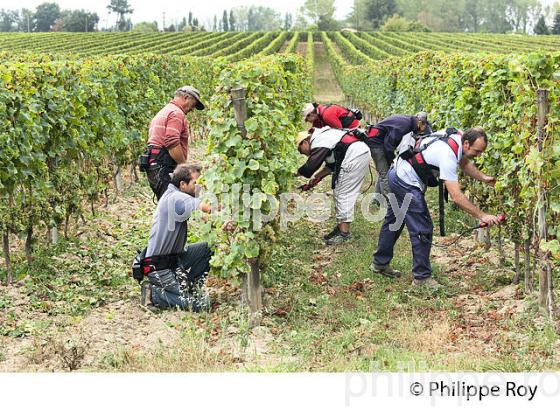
x,y
418,222
175,287
161,165
382,165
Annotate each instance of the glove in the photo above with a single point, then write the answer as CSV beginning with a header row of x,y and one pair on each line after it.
x,y
311,184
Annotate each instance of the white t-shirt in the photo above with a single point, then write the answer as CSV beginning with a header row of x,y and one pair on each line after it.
x,y
328,137
438,154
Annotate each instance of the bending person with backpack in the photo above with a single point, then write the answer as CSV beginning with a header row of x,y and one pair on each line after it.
x,y
385,136
331,115
347,159
421,163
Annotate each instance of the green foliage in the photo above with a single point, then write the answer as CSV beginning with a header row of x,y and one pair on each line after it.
x,y
397,23
556,23
145,27
45,16
541,28
261,163
79,20
377,11
292,43
8,20
65,125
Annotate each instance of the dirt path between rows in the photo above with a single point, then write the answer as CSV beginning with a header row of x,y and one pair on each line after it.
x,y
325,87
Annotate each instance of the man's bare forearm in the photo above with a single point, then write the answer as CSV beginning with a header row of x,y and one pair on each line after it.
x,y
472,171
177,154
323,173
462,201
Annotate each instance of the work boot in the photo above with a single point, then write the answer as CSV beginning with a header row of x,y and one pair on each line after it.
x,y
385,270
339,238
429,283
199,297
331,233
146,294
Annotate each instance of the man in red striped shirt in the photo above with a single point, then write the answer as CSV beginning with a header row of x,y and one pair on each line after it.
x,y
169,137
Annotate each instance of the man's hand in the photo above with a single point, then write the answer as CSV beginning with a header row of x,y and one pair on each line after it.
x,y
488,180
489,220
314,181
228,226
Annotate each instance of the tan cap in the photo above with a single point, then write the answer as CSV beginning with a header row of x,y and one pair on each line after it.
x,y
193,92
301,136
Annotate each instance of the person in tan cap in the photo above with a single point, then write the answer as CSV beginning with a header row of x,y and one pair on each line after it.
x,y
169,137
347,159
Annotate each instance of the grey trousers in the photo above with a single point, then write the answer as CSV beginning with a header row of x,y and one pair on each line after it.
x,y
347,188
382,166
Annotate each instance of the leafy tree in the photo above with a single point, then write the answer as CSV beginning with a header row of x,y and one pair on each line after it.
x,y
121,8
45,16
58,25
397,23
556,23
190,19
377,11
79,20
215,26
356,18
495,16
251,20
541,28
225,24
519,13
288,22
182,25
473,15
327,23
195,23
8,20
300,23
317,10
146,27
26,21
262,19
232,22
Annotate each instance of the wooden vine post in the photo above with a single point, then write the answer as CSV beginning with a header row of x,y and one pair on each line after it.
x,y
252,292
546,299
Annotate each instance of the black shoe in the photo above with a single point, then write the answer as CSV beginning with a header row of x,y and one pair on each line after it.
x,y
339,238
429,283
332,233
385,270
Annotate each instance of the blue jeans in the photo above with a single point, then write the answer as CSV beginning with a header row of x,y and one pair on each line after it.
x,y
418,222
175,287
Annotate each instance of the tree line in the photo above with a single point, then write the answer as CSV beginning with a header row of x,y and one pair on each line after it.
x,y
494,16
47,17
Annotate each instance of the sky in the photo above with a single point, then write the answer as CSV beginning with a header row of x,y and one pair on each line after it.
x,y
175,10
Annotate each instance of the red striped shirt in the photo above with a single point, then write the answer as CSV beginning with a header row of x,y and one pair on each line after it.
x,y
169,128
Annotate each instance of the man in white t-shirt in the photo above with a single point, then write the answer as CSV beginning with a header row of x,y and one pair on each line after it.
x,y
409,178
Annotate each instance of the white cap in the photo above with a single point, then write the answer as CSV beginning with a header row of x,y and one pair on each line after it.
x,y
308,109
